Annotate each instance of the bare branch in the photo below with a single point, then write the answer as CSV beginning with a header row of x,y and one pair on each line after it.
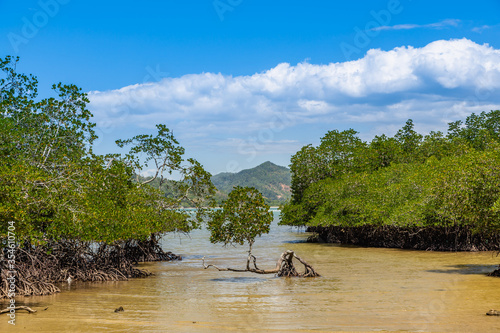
x,y
18,308
284,266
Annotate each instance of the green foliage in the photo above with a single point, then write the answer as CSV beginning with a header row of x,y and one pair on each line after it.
x,y
53,187
411,180
242,217
409,142
448,192
339,153
383,151
305,169
194,189
162,149
479,130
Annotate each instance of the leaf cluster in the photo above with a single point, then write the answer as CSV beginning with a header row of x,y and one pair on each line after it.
x,y
406,180
52,185
242,217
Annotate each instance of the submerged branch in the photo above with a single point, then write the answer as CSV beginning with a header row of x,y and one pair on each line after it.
x,y
17,308
284,266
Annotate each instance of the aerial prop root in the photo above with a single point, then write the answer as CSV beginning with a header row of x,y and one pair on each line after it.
x,y
284,266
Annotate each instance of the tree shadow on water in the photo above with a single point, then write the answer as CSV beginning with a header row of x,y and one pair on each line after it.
x,y
295,241
466,269
239,279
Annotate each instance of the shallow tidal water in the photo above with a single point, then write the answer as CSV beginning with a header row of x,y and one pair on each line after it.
x,y
361,289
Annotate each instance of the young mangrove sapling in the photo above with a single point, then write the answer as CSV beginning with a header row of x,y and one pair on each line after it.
x,y
243,217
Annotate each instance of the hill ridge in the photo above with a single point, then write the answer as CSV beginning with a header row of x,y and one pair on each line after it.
x,y
272,180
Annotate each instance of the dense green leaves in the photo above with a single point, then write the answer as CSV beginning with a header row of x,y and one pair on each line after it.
x,y
448,192
479,130
411,180
242,217
52,185
338,153
162,149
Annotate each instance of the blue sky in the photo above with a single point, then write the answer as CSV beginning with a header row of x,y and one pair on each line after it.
x,y
241,82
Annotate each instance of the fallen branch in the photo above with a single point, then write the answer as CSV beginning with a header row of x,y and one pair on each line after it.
x,y
284,266
27,308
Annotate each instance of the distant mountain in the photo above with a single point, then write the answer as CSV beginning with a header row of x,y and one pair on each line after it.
x,y
272,180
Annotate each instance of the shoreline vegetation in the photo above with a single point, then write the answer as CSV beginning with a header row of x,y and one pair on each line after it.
x,y
68,214
427,192
40,269
425,239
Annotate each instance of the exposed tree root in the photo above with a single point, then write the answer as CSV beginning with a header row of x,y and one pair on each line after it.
x,y
284,266
455,238
38,269
147,250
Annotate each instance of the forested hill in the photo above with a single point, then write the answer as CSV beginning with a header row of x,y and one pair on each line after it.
x,y
272,180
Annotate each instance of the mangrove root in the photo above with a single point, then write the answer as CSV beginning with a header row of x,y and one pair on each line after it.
x,y
284,266
40,268
453,238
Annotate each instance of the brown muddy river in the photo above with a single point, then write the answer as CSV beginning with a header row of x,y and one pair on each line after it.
x,y
361,289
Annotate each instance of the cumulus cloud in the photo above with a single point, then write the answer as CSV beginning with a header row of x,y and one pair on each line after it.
x,y
440,82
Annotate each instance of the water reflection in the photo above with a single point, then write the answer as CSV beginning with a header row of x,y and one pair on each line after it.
x,y
239,279
466,269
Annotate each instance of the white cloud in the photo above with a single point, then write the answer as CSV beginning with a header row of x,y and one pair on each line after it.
x,y
485,27
436,25
443,81
481,28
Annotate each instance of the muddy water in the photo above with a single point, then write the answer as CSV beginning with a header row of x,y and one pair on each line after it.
x,y
360,290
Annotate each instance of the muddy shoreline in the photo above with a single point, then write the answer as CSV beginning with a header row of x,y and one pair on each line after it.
x,y
38,270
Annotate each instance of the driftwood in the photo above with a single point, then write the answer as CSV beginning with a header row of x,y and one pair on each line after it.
x,y
27,308
284,266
